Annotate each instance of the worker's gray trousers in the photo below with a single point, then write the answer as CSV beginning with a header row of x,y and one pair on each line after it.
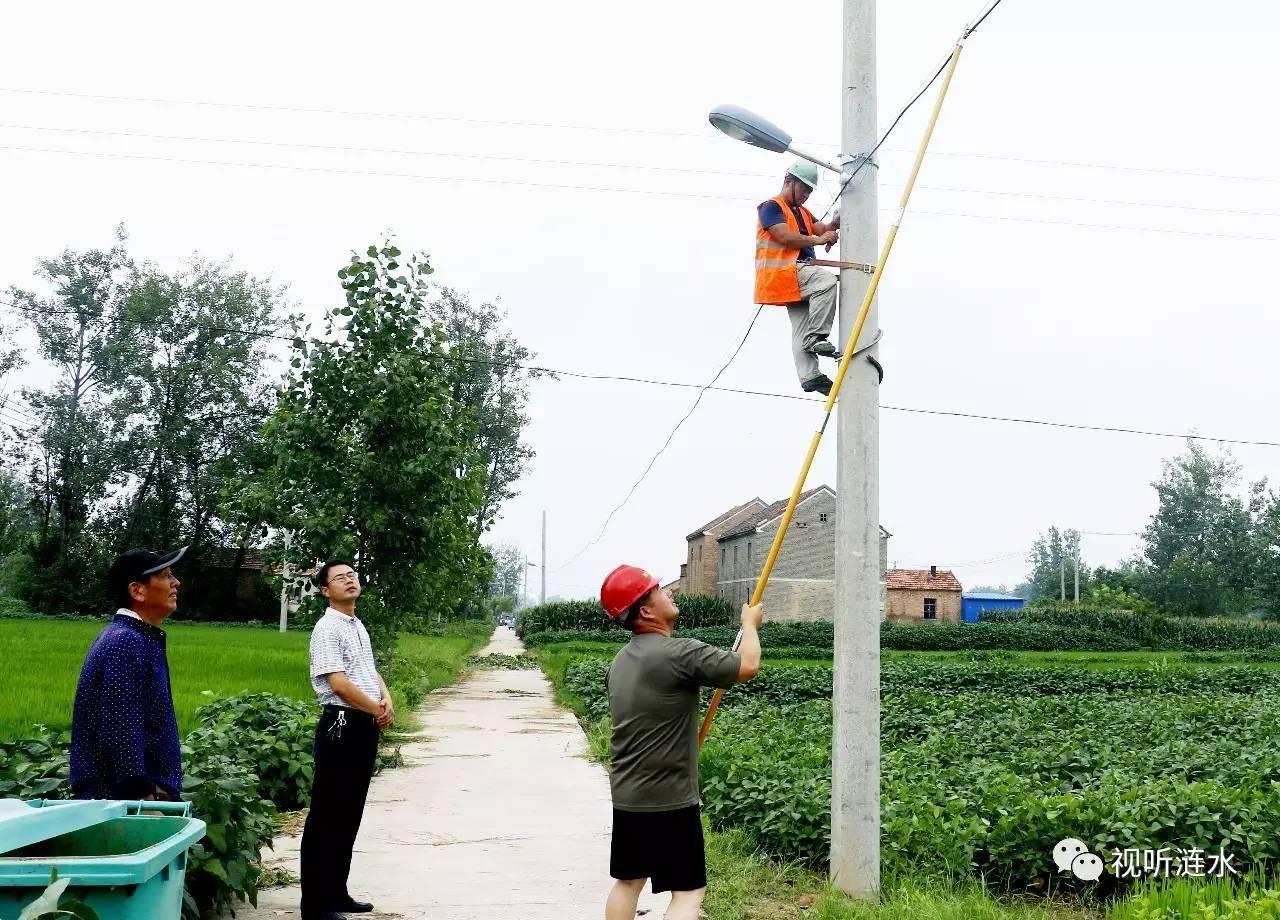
x,y
811,319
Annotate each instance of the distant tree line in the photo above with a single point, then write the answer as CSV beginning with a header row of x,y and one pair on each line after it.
x,y
1211,547
195,407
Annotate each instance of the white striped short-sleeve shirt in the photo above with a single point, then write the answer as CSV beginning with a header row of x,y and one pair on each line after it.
x,y
341,643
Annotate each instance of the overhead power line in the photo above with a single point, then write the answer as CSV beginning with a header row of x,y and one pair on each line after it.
x,y
869,158
594,164
353,113
667,443
336,170
1090,226
609,129
1116,167
396,151
620,378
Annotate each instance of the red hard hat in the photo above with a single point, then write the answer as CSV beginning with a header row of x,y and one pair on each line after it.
x,y
623,587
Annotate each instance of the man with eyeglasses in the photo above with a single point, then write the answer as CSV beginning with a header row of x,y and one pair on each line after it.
x,y
356,706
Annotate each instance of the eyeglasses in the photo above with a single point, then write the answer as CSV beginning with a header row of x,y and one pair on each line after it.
x,y
351,577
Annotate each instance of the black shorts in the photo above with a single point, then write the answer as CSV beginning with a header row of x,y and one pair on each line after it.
x,y
663,846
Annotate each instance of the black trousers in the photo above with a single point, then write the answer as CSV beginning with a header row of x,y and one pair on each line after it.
x,y
346,748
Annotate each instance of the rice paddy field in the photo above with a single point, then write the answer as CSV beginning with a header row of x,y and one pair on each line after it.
x,y
40,663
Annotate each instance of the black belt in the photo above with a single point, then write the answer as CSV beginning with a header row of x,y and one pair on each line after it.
x,y
349,711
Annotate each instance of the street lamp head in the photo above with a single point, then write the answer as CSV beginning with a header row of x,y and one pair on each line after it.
x,y
750,128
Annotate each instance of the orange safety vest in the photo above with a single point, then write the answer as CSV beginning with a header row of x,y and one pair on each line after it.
x,y
777,281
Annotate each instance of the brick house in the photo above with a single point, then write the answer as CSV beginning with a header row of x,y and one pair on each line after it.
x,y
698,574
802,586
929,595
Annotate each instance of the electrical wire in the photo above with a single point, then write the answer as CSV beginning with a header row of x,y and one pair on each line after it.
x,y
1116,202
1088,226
396,151
310,110
1118,167
865,160
620,378
292,167
870,156
334,170
635,485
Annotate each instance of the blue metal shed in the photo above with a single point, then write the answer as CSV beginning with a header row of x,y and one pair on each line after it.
x,y
974,604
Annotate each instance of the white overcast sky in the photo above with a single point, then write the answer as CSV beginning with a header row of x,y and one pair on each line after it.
x,y
1157,312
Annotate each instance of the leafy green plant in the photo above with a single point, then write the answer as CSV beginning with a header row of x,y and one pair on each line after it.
x,y
272,735
37,767
223,792
53,903
986,763
697,611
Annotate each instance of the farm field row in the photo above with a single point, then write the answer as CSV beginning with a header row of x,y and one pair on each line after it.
x,y
989,759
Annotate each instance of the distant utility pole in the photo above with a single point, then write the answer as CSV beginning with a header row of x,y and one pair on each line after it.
x,y
542,599
1077,561
1062,575
284,585
855,751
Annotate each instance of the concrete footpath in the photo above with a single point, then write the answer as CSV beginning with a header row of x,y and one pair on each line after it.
x,y
497,813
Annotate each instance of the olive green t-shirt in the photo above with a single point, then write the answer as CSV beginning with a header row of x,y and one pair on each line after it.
x,y
653,699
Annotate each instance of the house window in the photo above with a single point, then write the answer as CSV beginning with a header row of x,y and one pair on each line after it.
x,y
735,560
722,552
748,557
930,608
822,517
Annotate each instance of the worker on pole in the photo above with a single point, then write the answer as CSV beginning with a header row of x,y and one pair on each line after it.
x,y
786,236
653,686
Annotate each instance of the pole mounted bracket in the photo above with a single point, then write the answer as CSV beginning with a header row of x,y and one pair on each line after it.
x,y
856,161
878,366
840,263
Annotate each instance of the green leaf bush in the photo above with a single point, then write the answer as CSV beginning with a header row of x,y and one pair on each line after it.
x,y
248,755
38,767
939,637
1149,630
696,611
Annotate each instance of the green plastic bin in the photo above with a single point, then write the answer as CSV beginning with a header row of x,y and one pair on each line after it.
x,y
123,864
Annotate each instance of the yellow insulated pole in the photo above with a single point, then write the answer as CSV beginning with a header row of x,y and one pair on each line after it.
x,y
850,347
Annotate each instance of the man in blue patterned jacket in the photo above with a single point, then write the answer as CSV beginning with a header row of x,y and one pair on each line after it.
x,y
124,733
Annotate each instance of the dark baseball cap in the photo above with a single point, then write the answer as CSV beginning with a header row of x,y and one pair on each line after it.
x,y
138,564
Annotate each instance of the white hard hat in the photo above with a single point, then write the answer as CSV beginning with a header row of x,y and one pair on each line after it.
x,y
805,171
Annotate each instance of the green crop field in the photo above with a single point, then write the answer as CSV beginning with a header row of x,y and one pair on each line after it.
x,y
987,759
42,662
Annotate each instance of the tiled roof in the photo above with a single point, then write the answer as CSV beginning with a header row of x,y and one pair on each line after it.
x,y
716,522
767,514
919,580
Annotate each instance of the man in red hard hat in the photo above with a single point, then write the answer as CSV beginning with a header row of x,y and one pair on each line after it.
x,y
653,698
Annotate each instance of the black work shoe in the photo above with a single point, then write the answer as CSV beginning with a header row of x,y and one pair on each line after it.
x,y
352,906
824,349
821,384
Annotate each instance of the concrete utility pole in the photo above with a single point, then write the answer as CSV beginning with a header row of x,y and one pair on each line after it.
x,y
1062,575
542,598
855,753
284,585
1077,562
